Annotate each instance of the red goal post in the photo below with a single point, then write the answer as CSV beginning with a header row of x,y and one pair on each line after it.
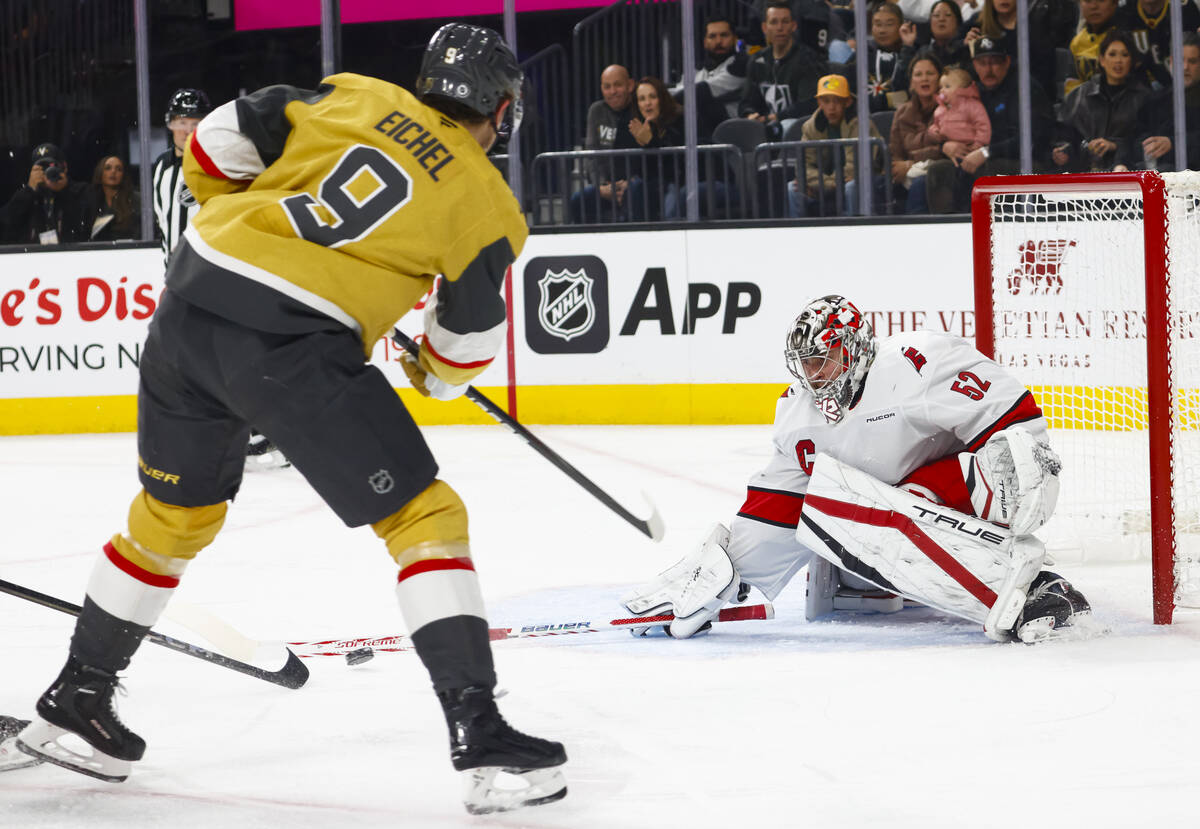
x,y
1071,273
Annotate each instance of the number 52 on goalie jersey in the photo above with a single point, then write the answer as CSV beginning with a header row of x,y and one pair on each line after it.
x,y
349,200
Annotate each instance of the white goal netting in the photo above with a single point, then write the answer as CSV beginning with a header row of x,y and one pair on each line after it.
x,y
1068,288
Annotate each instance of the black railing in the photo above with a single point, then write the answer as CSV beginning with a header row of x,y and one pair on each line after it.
x,y
636,185
777,177
644,36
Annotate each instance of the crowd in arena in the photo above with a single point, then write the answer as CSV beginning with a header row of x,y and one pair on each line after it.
x,y
942,93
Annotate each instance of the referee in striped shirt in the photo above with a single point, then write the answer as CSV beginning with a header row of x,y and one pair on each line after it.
x,y
173,203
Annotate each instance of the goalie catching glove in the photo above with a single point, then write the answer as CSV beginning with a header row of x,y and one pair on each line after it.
x,y
694,589
421,375
1013,480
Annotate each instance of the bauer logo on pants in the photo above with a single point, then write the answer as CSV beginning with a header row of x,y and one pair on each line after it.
x,y
566,305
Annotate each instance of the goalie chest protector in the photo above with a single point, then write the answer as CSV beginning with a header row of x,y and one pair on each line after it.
x,y
927,395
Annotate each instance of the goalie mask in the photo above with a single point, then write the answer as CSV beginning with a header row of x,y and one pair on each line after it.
x,y
829,349
473,67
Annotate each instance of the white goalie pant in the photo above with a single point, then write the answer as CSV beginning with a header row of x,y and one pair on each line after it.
x,y
931,554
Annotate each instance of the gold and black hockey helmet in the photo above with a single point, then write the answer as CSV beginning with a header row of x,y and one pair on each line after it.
x,y
472,66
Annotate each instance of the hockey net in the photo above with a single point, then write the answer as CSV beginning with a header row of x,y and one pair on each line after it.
x,y
1087,287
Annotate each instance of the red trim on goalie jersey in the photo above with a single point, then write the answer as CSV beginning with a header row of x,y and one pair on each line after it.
x,y
130,569
202,158
431,564
908,528
945,480
772,506
1024,410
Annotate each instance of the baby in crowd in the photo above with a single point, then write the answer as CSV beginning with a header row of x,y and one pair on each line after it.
x,y
960,119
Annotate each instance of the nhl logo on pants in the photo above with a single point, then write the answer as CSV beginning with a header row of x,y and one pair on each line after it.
x,y
566,305
381,482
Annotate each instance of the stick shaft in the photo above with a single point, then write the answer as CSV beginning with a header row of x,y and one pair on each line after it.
x,y
647,526
400,642
292,675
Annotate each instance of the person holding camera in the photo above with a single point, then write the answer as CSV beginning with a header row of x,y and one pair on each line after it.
x,y
49,209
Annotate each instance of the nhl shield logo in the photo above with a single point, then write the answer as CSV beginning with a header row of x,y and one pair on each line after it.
x,y
565,305
381,482
565,299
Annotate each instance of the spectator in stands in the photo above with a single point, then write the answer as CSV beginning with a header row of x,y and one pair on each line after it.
x,y
1099,120
820,164
781,83
912,147
721,80
653,192
1098,18
118,212
603,198
1149,22
1158,118
817,25
49,208
960,122
888,55
1051,25
992,63
946,43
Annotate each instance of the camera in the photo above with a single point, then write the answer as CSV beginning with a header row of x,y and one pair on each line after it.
x,y
53,170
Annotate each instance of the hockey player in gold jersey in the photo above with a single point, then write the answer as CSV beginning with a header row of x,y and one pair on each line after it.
x,y
326,214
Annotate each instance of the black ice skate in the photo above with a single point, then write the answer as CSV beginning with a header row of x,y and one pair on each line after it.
x,y
263,455
1054,610
483,745
80,702
11,758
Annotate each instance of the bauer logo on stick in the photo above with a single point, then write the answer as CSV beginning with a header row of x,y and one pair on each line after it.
x,y
566,305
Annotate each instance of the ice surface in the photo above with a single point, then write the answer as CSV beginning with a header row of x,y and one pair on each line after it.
x,y
912,720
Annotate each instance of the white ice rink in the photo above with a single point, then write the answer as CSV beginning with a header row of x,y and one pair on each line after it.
x,y
912,720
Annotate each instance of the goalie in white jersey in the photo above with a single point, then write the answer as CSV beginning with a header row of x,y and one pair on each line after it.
x,y
912,465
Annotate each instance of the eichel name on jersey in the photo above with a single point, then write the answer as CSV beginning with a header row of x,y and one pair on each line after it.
x,y
339,206
424,146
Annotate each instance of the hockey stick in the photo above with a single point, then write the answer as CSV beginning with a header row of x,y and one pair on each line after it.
x,y
292,675
400,642
651,527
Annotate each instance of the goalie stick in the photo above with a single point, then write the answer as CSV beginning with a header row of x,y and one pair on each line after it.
x,y
652,527
293,674
400,642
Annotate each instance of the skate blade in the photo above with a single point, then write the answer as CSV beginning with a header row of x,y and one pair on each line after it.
x,y
1083,626
12,759
483,797
40,740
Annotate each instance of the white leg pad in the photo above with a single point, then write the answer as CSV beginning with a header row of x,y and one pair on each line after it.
x,y
928,553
